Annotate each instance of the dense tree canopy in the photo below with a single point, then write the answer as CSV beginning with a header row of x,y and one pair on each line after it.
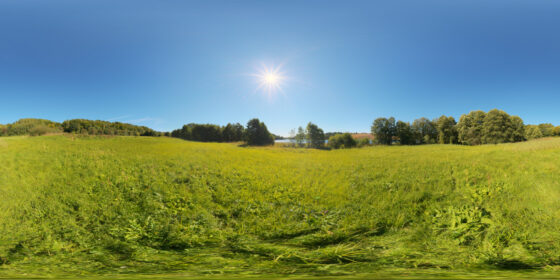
x,y
424,130
447,132
384,129
547,129
98,127
474,128
404,133
532,132
469,128
257,134
233,132
81,126
206,133
497,127
518,129
210,132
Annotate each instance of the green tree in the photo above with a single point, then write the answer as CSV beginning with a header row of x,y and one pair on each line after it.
x,y
532,132
25,126
497,127
315,136
257,134
404,133
547,129
470,128
232,132
518,129
447,132
104,127
383,130
424,131
300,137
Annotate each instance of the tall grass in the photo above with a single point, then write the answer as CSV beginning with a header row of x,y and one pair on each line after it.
x,y
131,204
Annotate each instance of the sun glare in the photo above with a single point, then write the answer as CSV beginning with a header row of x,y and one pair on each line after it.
x,y
270,80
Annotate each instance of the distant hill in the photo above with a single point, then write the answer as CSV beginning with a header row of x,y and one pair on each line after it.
x,y
82,126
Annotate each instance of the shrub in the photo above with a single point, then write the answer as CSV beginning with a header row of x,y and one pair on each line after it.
x,y
363,142
39,130
344,140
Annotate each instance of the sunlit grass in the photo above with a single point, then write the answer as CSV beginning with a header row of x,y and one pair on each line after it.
x,y
152,205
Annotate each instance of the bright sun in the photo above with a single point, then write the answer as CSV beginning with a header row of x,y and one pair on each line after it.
x,y
270,80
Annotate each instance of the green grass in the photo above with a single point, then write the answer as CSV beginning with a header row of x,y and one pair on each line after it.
x,y
74,205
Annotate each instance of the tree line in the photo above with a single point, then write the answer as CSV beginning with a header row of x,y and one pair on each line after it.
x,y
29,127
474,128
97,127
79,126
255,133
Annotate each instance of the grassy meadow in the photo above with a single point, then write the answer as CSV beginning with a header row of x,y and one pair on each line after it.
x,y
72,205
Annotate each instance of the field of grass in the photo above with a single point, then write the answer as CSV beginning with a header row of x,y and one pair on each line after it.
x,y
74,205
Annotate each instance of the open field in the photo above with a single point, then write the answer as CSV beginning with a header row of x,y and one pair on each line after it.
x,y
94,205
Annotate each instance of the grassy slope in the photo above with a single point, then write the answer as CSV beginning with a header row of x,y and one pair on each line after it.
x,y
135,204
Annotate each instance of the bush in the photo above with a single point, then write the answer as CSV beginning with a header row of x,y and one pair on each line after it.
x,y
24,127
363,142
344,140
42,130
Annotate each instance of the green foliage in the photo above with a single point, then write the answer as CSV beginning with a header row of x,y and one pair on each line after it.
x,y
497,127
470,128
343,141
518,129
91,127
384,130
26,126
493,127
363,142
42,130
257,134
300,137
533,132
547,129
210,132
404,133
447,132
233,132
425,131
315,136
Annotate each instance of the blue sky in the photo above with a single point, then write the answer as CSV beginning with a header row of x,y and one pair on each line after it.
x,y
166,63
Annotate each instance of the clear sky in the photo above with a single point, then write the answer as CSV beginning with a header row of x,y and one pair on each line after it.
x,y
165,63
